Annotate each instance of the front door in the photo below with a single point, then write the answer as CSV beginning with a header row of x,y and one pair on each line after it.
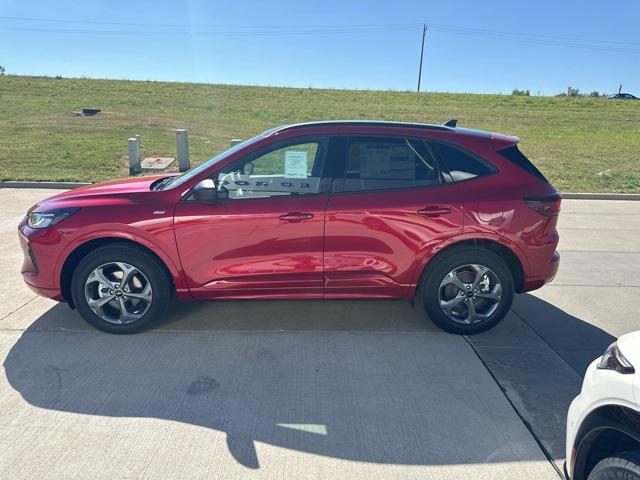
x,y
263,238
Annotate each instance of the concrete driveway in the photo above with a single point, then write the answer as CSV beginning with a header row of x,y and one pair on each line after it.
x,y
308,389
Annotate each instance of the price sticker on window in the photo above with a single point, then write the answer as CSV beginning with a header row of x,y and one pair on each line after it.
x,y
295,164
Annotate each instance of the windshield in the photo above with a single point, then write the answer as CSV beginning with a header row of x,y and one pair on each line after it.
x,y
176,181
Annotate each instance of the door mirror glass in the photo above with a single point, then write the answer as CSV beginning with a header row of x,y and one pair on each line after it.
x,y
205,191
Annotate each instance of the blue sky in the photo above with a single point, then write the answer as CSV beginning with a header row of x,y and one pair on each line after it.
x,y
225,42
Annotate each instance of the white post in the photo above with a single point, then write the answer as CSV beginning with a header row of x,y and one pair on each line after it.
x,y
134,156
182,147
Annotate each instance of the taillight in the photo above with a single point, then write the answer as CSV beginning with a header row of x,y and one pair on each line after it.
x,y
547,205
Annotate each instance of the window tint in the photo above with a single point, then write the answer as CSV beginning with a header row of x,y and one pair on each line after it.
x,y
290,170
516,156
459,164
388,163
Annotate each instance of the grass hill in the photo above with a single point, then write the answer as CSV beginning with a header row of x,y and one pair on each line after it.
x,y
581,144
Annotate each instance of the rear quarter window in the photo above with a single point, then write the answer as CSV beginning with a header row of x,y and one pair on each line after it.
x,y
461,165
514,155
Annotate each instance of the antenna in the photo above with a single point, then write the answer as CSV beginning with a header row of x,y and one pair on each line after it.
x,y
451,123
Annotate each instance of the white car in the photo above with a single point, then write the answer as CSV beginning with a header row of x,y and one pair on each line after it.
x,y
603,423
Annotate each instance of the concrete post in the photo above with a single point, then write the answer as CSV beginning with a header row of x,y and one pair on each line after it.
x,y
182,147
235,141
134,156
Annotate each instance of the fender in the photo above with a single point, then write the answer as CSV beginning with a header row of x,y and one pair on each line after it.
x,y
126,232
433,248
592,424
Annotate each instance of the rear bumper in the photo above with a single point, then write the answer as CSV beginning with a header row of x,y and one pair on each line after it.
x,y
543,272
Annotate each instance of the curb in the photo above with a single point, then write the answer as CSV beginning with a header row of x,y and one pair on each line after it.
x,y
600,196
56,185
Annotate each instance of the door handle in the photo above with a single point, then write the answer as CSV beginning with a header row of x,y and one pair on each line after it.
x,y
434,211
295,217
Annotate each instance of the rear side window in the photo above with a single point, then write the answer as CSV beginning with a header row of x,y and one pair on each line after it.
x,y
460,164
516,156
382,163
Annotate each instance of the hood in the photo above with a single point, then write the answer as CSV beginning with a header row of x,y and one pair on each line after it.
x,y
98,192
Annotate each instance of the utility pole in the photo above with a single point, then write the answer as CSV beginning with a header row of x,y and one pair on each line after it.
x,y
424,33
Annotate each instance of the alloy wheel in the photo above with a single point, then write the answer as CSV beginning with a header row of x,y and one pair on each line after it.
x,y
118,293
470,294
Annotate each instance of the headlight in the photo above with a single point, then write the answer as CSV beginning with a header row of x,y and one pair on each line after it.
x,y
49,218
613,359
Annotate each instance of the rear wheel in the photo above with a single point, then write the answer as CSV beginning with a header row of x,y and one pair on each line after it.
x,y
120,289
622,465
467,290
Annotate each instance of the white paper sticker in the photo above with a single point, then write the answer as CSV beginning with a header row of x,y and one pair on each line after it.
x,y
295,164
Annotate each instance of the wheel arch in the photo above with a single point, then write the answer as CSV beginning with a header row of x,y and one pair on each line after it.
x,y
604,432
85,248
507,253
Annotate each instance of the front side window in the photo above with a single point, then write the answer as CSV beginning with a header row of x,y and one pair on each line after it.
x,y
382,163
294,169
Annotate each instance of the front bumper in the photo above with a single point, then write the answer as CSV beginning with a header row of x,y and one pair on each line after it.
x,y
39,249
599,388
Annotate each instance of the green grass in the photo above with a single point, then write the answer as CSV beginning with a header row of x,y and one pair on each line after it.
x,y
581,144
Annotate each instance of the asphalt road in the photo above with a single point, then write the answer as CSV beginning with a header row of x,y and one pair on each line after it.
x,y
310,389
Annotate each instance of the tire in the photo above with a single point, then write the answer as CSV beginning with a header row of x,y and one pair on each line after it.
x,y
96,279
496,287
622,465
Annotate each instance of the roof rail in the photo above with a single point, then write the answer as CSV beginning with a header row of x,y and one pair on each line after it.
x,y
360,123
450,123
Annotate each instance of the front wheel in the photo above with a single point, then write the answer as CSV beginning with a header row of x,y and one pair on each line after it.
x,y
622,465
467,290
120,288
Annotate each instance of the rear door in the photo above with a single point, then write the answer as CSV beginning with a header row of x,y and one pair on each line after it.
x,y
390,205
263,237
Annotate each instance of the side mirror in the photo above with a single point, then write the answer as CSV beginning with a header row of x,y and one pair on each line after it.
x,y
205,191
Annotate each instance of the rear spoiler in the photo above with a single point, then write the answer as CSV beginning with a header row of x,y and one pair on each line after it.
x,y
500,141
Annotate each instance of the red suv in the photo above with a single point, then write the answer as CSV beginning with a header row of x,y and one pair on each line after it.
x,y
457,218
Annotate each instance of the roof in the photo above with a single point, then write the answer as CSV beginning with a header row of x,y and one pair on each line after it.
x,y
376,123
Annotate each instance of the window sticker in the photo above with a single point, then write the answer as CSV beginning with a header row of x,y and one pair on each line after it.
x,y
295,164
374,161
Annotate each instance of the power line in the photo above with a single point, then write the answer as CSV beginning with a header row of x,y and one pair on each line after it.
x,y
350,27
210,32
310,30
527,35
588,45
206,25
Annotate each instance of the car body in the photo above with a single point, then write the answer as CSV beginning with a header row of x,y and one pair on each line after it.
x,y
623,96
379,202
603,422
